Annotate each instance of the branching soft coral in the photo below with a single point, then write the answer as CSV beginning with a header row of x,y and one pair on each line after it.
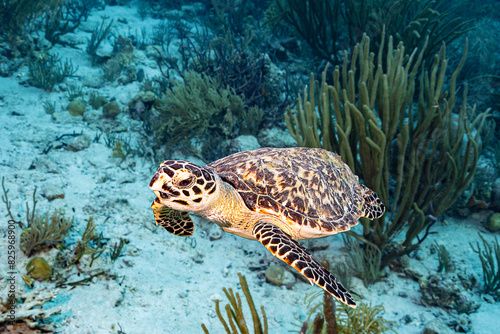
x,y
196,106
236,322
44,229
490,262
203,107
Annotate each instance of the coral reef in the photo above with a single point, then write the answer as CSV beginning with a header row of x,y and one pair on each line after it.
x,y
450,291
120,61
8,203
317,22
30,315
49,107
117,249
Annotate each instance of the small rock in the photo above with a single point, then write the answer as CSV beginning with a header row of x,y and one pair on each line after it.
x,y
420,255
79,143
111,110
244,143
198,258
148,97
277,275
449,291
127,178
51,192
437,327
214,232
73,39
275,137
215,297
45,164
407,319
403,294
416,269
141,103
92,77
129,75
489,299
462,323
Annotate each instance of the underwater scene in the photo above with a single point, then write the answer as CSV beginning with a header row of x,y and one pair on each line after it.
x,y
231,166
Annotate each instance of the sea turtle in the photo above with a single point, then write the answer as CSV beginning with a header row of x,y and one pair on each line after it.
x,y
274,195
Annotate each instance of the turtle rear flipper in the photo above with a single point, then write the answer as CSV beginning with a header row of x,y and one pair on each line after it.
x,y
373,206
175,222
290,251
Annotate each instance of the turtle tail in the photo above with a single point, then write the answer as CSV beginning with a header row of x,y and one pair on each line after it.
x,y
372,205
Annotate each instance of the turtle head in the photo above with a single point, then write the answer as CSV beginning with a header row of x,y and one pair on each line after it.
x,y
184,186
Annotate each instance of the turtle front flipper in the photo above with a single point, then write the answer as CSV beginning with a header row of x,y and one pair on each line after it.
x,y
175,222
372,206
290,251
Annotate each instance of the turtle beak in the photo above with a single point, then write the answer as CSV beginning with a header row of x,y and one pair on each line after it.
x,y
160,185
161,195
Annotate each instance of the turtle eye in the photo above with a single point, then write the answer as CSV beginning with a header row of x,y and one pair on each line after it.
x,y
185,183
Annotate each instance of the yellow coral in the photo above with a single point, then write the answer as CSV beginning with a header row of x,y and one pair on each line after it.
x,y
38,268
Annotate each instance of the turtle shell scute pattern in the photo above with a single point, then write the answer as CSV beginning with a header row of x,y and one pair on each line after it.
x,y
307,187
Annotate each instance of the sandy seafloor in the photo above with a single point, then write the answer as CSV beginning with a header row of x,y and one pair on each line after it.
x,y
163,283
